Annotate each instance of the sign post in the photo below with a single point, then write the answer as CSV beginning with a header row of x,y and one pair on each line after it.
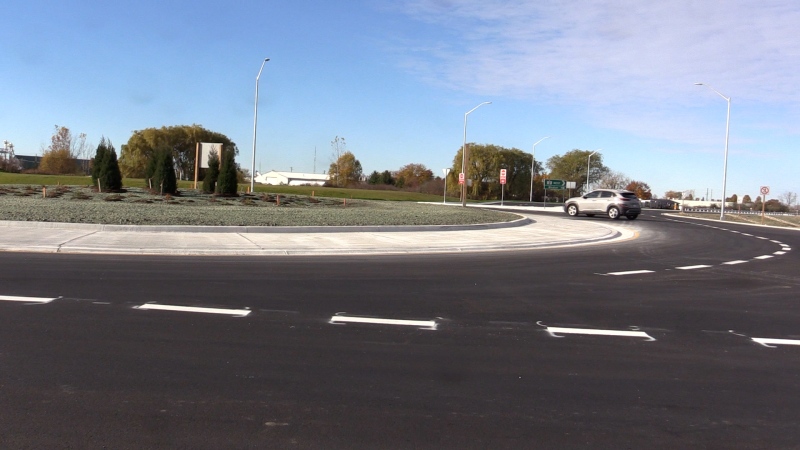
x,y
502,185
764,191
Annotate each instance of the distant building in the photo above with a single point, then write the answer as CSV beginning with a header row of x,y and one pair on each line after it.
x,y
274,177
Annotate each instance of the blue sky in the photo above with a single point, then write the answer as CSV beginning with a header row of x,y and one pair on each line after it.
x,y
394,78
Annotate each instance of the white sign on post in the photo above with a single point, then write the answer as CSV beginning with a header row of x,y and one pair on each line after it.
x,y
502,176
205,152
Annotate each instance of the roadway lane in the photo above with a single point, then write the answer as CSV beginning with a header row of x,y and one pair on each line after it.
x,y
90,370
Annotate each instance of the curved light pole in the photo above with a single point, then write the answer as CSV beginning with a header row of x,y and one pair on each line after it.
x,y
533,160
588,167
725,163
464,157
255,121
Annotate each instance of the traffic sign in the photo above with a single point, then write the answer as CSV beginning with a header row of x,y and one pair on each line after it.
x,y
461,178
764,190
555,184
502,176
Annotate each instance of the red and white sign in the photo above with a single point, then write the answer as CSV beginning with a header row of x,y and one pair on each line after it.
x,y
502,176
764,190
461,178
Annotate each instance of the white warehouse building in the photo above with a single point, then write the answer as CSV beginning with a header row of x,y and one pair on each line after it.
x,y
274,177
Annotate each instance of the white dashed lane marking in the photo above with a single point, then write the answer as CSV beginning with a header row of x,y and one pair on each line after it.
x,y
555,331
193,309
424,324
767,342
11,298
701,266
630,272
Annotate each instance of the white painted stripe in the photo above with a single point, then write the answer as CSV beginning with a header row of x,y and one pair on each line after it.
x,y
763,257
779,253
692,267
737,232
761,237
746,234
11,298
230,312
730,263
777,242
630,272
787,248
559,330
429,324
767,341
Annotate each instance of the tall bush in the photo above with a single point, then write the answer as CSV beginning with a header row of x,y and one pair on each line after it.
x,y
212,173
227,182
164,179
105,167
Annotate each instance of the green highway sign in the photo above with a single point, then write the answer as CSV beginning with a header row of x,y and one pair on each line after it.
x,y
555,184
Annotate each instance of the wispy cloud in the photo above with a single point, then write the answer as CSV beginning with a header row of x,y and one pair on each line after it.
x,y
609,52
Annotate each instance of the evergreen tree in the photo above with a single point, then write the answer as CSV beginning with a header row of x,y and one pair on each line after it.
x,y
212,173
106,168
227,182
164,179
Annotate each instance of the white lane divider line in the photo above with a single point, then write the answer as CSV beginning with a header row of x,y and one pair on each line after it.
x,y
776,242
701,266
747,234
630,272
772,343
762,237
12,298
423,324
193,309
779,253
555,331
730,263
763,257
786,247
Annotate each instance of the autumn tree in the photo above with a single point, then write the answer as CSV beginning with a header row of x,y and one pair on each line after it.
x,y
641,189
59,157
572,166
105,167
412,176
612,180
181,140
345,171
674,195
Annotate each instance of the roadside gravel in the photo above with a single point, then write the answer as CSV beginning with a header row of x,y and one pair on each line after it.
x,y
74,204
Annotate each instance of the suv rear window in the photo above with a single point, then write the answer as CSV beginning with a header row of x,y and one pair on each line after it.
x,y
628,194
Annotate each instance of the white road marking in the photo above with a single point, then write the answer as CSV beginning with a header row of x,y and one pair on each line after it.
x,y
630,272
761,237
777,242
427,324
786,248
779,253
229,312
621,333
730,263
746,234
763,257
767,341
11,298
692,267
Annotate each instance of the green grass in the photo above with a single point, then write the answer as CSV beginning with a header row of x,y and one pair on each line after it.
x,y
318,191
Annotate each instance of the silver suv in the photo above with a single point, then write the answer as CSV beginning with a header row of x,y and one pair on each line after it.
x,y
614,202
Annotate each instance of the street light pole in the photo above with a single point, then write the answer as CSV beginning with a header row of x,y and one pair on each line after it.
x,y
465,158
725,163
533,161
255,121
588,167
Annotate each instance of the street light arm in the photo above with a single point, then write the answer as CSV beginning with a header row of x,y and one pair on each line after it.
x,y
727,99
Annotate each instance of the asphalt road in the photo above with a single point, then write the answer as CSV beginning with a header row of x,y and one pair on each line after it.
x,y
498,355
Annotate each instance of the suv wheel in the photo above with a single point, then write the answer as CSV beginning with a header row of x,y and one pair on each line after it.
x,y
613,212
572,210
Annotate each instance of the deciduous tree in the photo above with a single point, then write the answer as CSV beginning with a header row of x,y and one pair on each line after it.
x,y
180,139
572,167
58,158
412,176
641,189
345,171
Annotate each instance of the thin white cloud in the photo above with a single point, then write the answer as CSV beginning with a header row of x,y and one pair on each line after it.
x,y
609,52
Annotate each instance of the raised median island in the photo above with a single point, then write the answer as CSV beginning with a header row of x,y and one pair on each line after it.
x,y
137,206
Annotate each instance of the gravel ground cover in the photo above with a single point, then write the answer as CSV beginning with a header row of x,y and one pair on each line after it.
x,y
74,204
